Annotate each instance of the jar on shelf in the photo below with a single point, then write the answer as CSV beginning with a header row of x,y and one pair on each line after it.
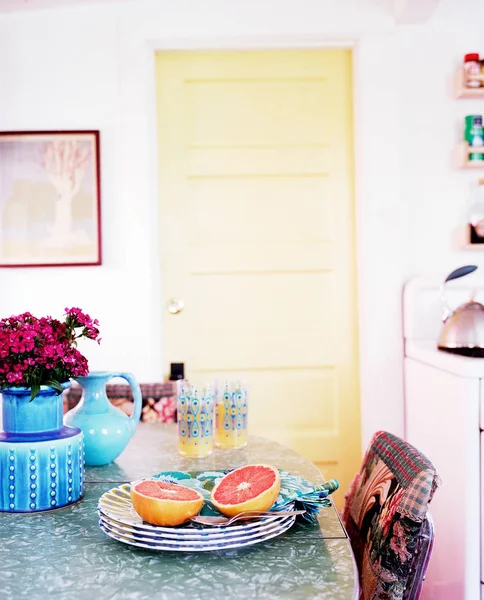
x,y
474,135
472,67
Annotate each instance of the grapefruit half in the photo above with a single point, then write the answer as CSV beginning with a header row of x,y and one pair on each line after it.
x,y
253,487
165,504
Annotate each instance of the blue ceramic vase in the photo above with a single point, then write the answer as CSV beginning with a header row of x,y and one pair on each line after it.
x,y
107,429
41,461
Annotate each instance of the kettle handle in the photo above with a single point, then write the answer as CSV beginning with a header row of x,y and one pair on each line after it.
x,y
137,397
460,272
456,274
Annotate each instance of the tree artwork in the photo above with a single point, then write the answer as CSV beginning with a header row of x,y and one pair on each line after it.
x,y
65,163
50,198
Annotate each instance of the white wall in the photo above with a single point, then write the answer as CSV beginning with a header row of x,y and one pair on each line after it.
x,y
92,67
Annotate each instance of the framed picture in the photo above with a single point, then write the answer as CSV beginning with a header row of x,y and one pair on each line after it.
x,y
50,201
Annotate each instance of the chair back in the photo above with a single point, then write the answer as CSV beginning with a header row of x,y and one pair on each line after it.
x,y
386,517
420,560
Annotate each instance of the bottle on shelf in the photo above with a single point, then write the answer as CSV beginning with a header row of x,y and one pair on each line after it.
x,y
472,67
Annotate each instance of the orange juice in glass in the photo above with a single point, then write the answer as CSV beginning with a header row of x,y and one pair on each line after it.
x,y
195,421
231,416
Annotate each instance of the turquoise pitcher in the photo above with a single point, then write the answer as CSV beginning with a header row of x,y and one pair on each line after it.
x,y
107,429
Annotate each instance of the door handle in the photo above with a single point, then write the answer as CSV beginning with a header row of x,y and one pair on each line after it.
x,y
174,306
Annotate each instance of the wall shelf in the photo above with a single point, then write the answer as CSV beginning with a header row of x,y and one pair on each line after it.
x,y
462,241
462,156
462,91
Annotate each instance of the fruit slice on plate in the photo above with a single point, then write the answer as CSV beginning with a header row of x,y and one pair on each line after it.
x,y
253,487
165,504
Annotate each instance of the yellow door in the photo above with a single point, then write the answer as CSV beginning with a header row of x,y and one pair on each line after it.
x,y
257,237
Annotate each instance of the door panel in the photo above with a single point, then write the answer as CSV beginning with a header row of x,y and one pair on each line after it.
x,y
271,123
253,212
257,236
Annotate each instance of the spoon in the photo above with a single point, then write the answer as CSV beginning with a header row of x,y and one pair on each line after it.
x,y
249,514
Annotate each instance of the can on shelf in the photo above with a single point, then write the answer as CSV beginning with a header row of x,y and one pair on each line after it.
x,y
474,134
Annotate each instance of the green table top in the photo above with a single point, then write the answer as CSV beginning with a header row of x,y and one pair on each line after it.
x,y
64,554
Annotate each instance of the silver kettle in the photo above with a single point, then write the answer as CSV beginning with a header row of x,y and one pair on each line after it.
x,y
463,329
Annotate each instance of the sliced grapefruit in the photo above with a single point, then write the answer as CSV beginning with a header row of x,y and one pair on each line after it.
x,y
165,504
253,487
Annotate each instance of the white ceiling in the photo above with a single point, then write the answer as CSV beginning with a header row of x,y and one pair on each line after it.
x,y
17,5
414,11
404,11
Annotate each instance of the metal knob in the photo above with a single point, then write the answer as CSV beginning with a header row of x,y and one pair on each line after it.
x,y
175,306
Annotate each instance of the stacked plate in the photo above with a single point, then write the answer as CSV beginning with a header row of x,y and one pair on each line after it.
x,y
119,520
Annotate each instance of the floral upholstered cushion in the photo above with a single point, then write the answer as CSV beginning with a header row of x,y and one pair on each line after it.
x,y
159,399
384,513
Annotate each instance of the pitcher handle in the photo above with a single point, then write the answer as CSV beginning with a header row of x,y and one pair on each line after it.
x,y
137,397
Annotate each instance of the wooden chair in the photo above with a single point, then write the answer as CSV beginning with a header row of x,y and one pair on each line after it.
x,y
387,519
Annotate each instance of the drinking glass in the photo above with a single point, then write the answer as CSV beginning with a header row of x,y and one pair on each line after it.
x,y
231,416
195,420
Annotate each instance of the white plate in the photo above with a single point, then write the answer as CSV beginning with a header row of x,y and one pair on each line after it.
x,y
203,541
192,533
204,534
116,505
157,547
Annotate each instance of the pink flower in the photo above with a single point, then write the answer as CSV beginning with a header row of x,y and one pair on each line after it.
x,y
77,318
392,508
166,409
398,543
13,377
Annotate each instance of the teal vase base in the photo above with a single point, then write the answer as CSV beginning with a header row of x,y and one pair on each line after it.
x,y
40,511
62,433
38,476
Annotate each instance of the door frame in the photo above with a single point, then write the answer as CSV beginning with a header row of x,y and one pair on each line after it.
x,y
380,222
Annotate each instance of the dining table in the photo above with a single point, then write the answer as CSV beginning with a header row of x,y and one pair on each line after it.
x,y
63,553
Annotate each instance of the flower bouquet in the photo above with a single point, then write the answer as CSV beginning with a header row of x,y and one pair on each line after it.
x,y
36,352
41,459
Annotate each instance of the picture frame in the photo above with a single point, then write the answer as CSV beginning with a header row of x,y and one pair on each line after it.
x,y
50,198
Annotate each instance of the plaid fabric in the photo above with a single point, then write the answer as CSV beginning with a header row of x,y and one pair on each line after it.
x,y
159,399
412,470
385,512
